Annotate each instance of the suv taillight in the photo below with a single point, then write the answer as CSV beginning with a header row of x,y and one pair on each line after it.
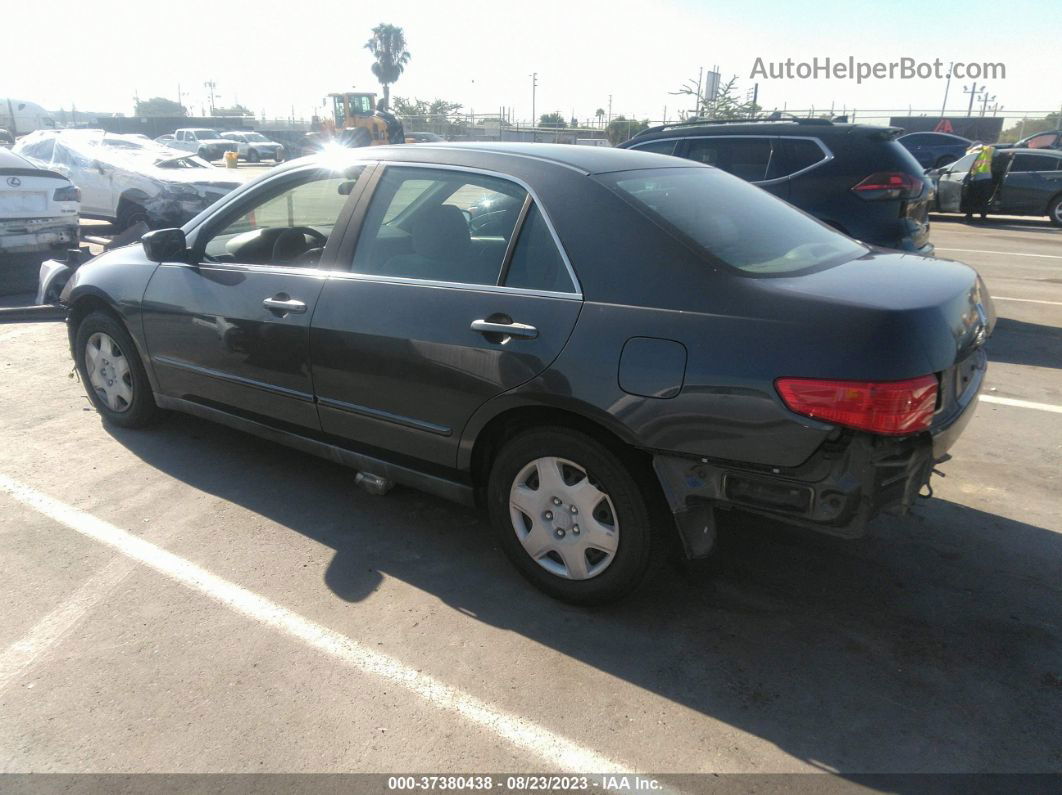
x,y
69,193
889,185
894,408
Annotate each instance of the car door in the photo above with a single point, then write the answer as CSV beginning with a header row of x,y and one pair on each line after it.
x,y
232,329
1030,182
950,183
437,313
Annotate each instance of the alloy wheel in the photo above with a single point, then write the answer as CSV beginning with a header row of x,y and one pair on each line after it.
x,y
563,519
108,372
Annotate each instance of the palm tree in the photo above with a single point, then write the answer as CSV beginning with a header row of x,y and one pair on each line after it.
x,y
388,47
600,113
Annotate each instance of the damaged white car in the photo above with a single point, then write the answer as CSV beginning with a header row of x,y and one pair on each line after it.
x,y
128,179
38,208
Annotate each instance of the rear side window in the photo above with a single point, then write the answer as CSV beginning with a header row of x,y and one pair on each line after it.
x,y
792,155
747,158
1035,163
536,263
658,147
733,222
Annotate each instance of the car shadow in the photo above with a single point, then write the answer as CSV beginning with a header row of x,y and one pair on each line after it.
x,y
933,645
1019,342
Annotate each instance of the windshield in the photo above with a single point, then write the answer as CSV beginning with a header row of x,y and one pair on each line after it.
x,y
254,137
732,221
202,134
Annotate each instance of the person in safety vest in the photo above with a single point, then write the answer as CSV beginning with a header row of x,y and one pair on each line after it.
x,y
980,183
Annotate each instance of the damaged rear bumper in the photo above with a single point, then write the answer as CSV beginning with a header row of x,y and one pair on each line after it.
x,y
853,477
32,235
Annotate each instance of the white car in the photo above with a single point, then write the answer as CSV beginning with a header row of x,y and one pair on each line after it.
x,y
255,147
126,179
38,208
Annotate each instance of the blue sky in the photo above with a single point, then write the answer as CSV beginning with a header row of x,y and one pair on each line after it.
x,y
481,53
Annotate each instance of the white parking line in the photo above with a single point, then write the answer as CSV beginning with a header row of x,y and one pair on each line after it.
x,y
1021,404
558,752
1007,253
16,659
1026,300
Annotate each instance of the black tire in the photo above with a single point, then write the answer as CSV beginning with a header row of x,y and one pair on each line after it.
x,y
129,214
639,545
1054,210
141,409
252,156
203,153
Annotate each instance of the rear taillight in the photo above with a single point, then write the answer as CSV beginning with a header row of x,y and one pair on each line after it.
x,y
889,185
894,408
68,194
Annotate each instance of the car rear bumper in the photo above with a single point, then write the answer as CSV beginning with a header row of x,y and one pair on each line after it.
x,y
849,480
32,235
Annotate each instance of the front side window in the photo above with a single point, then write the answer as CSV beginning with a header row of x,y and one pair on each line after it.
x,y
747,158
733,222
290,226
1042,141
440,225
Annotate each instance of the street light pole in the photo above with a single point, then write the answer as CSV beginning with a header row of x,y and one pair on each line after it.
x,y
973,91
534,123
947,88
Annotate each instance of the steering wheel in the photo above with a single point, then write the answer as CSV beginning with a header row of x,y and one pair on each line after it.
x,y
318,238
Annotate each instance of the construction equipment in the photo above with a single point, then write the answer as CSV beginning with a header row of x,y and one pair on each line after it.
x,y
356,111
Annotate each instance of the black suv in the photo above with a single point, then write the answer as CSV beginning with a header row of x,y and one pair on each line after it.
x,y
854,177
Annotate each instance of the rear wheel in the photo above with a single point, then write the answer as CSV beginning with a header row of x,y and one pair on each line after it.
x,y
1055,210
570,515
112,372
129,214
252,156
203,153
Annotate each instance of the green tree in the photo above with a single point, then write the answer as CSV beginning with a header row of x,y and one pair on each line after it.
x,y
388,47
726,104
439,115
553,120
1052,121
160,106
600,113
235,110
621,129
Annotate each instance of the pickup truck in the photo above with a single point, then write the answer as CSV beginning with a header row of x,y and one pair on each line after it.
x,y
206,143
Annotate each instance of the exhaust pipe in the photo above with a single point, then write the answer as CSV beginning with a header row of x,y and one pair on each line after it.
x,y
373,484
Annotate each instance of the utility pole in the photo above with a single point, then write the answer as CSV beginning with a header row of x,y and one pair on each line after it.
x,y
947,88
973,91
534,121
609,111
210,85
984,102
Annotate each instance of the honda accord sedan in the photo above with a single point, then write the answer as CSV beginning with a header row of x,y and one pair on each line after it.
x,y
633,345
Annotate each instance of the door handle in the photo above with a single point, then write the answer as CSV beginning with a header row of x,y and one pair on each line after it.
x,y
521,330
284,305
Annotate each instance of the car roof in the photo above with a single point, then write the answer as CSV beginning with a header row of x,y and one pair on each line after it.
x,y
586,159
806,128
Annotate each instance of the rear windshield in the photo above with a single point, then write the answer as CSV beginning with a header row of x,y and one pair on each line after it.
x,y
732,221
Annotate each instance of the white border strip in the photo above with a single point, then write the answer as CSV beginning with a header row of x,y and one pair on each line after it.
x,y
1021,404
1005,253
558,752
1026,300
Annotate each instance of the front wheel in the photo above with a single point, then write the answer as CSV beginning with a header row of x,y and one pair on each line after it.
x,y
570,515
112,372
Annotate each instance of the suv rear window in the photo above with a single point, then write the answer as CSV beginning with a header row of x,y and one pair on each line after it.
x,y
733,222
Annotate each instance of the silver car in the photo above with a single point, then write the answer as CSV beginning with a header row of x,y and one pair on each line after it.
x,y
255,147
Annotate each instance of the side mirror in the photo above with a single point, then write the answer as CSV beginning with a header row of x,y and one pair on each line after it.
x,y
165,245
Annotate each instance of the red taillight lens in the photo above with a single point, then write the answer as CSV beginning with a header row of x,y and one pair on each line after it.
x,y
889,185
894,408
